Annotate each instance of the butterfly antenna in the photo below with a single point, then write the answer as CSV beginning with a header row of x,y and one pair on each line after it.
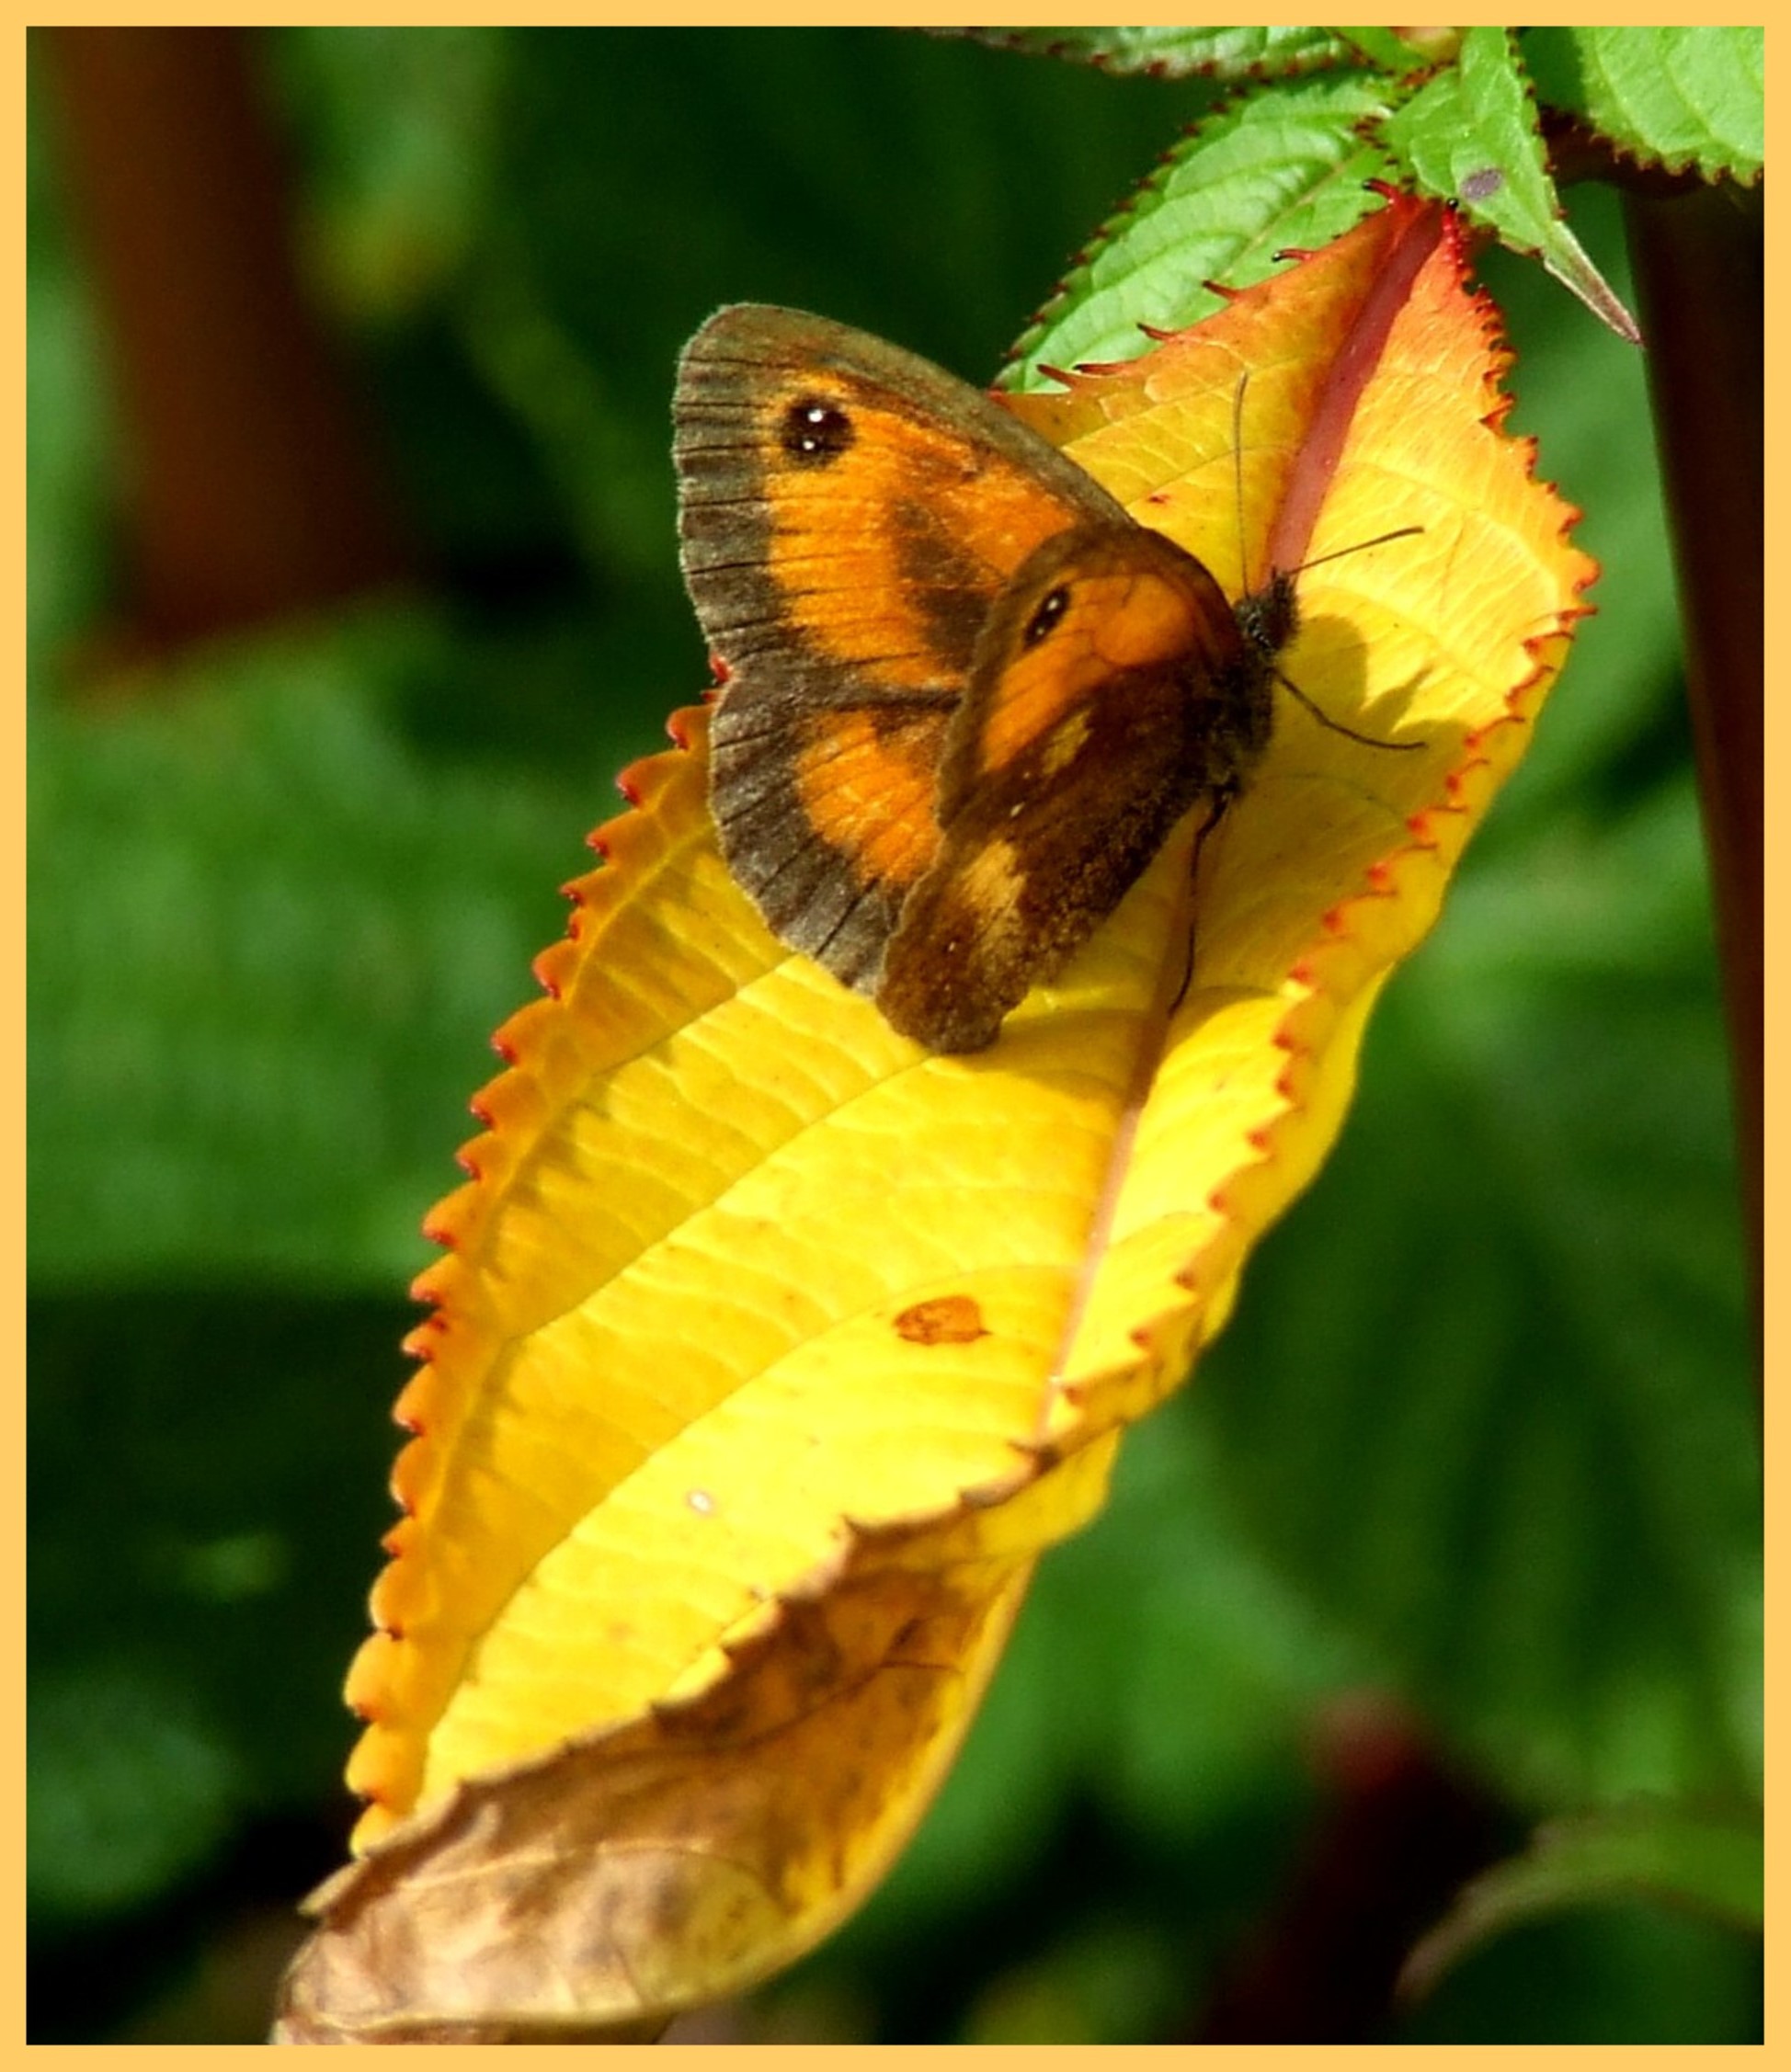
x,y
1356,547
1237,474
1337,726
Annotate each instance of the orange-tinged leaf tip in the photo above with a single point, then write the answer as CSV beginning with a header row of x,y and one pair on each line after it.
x,y
428,1284
413,1397
407,1469
508,1039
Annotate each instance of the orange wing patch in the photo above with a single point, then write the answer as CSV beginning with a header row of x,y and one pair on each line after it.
x,y
1126,619
865,783
887,547
1090,617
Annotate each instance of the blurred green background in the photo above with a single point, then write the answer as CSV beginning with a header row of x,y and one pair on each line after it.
x,y
1479,1439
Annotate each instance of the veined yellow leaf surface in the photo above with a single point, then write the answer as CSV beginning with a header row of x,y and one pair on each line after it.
x,y
769,1350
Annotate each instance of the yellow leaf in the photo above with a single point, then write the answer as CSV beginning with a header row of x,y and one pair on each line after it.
x,y
769,1350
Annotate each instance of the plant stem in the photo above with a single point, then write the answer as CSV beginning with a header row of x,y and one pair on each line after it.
x,y
1699,267
253,489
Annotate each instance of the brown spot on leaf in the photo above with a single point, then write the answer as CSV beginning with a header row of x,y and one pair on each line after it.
x,y
946,1320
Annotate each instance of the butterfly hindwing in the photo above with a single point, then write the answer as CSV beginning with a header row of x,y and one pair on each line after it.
x,y
1114,688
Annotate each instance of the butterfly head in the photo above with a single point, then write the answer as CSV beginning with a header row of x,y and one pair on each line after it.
x,y
1269,618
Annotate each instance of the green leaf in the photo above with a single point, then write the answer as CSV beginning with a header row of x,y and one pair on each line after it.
x,y
1650,1851
69,419
131,1785
1471,135
743,151
1401,50
403,128
1675,97
1275,171
1224,54
178,1444
267,927
1622,1972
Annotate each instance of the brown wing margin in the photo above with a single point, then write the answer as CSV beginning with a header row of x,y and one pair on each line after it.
x,y
826,820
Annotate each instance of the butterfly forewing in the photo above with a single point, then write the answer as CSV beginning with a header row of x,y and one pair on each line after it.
x,y
850,514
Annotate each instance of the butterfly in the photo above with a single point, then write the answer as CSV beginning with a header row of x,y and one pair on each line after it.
x,y
964,696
